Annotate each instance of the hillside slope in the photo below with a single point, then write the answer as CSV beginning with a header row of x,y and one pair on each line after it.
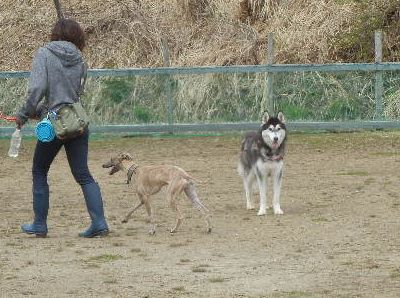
x,y
125,33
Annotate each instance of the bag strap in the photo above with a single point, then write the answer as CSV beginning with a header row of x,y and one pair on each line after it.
x,y
83,78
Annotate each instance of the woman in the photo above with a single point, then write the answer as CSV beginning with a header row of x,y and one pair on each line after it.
x,y
56,74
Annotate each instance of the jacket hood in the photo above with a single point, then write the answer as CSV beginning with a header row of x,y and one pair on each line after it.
x,y
67,52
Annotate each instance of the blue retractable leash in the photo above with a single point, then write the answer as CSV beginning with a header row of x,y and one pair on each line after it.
x,y
44,130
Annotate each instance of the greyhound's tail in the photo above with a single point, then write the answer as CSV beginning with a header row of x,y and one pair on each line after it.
x,y
190,191
191,179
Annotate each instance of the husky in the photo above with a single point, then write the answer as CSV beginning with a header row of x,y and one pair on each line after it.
x,y
261,155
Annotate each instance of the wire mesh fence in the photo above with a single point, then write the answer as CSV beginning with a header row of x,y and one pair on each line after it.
x,y
209,98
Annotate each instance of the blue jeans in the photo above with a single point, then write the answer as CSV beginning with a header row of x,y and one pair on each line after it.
x,y
77,155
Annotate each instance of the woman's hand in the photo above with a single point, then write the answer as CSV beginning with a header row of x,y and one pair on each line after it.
x,y
19,122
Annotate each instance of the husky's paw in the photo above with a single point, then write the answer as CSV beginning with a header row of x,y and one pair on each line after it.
x,y
261,212
278,211
250,206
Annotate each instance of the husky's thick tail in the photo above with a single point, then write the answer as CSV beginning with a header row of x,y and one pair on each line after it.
x,y
246,156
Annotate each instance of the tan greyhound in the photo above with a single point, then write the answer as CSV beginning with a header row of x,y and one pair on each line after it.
x,y
151,179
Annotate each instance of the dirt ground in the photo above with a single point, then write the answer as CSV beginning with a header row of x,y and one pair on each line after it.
x,y
339,236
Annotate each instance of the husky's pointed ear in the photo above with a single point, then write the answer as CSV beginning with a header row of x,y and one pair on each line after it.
x,y
265,118
281,118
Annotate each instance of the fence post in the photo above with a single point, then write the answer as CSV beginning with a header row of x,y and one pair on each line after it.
x,y
167,83
269,103
378,76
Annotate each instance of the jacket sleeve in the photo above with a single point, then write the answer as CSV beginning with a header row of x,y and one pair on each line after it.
x,y
37,86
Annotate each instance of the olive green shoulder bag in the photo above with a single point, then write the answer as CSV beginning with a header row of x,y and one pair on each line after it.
x,y
71,120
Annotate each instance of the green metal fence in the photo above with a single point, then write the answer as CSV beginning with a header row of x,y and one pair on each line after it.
x,y
200,99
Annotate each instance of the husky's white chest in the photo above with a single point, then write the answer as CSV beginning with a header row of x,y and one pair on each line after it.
x,y
267,164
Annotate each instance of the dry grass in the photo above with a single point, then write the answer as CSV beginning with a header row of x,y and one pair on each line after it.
x,y
207,32
125,34
304,35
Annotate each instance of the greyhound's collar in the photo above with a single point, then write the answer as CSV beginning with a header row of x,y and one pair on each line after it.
x,y
132,170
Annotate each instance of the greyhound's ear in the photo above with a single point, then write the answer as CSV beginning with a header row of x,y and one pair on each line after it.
x,y
265,118
281,118
126,156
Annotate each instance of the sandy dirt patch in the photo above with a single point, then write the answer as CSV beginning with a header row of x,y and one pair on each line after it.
x,y
339,236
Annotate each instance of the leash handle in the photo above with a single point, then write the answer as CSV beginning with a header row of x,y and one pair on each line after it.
x,y
7,118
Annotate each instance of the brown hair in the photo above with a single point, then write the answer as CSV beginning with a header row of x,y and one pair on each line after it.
x,y
68,30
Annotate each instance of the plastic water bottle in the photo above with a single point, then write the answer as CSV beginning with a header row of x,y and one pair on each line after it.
x,y
15,143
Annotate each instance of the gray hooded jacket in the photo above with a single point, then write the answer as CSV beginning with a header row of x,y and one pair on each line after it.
x,y
55,79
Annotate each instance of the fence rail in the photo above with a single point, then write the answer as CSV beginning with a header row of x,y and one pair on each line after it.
x,y
224,127
275,68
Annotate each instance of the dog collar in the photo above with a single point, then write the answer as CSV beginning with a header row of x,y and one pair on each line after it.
x,y
276,157
131,171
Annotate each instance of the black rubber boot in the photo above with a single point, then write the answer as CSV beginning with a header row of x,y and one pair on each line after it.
x,y
40,209
94,204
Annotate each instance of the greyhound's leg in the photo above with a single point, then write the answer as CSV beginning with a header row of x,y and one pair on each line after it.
x,y
174,189
125,220
190,191
179,217
150,213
